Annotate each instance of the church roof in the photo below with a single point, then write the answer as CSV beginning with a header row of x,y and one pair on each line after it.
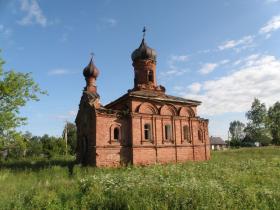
x,y
144,52
161,97
91,70
154,96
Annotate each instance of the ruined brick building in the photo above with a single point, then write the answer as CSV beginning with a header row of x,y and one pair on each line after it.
x,y
143,126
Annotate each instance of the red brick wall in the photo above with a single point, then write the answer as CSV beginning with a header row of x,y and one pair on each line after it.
x,y
166,154
144,155
133,148
199,153
142,67
176,150
110,152
184,153
108,156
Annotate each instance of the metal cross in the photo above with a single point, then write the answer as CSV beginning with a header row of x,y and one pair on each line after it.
x,y
144,32
92,54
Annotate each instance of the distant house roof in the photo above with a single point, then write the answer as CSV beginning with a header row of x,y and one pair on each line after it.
x,y
216,141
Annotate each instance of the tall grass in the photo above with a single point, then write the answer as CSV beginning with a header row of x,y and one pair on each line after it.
x,y
233,179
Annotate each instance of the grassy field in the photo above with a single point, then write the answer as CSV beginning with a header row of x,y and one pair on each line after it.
x,y
234,179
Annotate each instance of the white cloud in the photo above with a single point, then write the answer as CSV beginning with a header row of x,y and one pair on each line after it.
x,y
209,67
247,61
174,60
272,25
194,87
59,72
174,68
223,62
258,77
180,58
34,14
240,44
174,72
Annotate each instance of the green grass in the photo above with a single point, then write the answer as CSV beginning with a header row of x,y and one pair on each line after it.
x,y
234,179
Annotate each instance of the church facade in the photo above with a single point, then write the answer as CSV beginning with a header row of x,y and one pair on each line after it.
x,y
144,126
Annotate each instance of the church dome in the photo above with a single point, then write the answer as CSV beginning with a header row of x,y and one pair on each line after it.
x,y
144,52
91,70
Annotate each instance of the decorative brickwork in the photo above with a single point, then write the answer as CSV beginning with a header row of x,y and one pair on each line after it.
x,y
144,126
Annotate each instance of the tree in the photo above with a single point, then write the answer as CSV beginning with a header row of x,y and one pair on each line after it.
x,y
17,145
236,129
256,129
16,89
52,146
34,147
71,131
274,122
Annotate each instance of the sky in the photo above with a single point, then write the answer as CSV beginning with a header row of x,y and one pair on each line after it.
x,y
224,53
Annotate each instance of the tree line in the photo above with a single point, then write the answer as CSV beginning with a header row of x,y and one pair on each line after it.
x,y
26,145
263,126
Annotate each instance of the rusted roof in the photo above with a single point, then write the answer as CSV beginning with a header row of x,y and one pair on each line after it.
x,y
154,96
144,52
91,70
162,97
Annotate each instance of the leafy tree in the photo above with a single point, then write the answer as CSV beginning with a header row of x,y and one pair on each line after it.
x,y
16,89
71,130
256,129
236,129
274,122
35,147
17,145
52,146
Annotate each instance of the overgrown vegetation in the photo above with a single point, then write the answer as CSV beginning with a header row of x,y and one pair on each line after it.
x,y
234,179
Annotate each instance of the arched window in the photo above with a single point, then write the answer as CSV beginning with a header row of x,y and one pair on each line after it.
x,y
147,132
168,132
186,133
116,133
150,76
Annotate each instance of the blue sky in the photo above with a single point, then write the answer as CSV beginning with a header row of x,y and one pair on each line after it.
x,y
223,53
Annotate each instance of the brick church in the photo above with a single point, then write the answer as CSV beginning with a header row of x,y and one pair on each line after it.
x,y
143,126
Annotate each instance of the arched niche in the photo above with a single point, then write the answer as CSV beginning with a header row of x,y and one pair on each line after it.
x,y
115,132
186,112
147,108
168,110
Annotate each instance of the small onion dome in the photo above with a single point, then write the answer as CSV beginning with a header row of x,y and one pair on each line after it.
x,y
144,52
91,70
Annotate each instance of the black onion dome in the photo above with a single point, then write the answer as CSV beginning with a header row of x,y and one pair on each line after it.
x,y
91,70
144,52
